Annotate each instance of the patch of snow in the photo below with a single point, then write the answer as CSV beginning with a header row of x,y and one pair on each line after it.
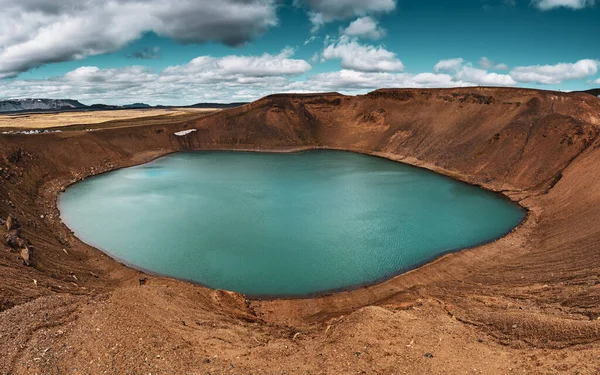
x,y
32,131
185,132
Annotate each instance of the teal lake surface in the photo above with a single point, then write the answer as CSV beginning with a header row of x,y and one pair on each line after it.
x,y
290,224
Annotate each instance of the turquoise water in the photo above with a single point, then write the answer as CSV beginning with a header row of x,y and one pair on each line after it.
x,y
281,224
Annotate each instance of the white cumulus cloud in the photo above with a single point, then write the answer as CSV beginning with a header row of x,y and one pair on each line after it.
x,y
245,78
310,40
485,63
555,74
552,4
191,83
365,27
360,57
205,78
323,11
255,66
38,32
449,65
354,82
483,77
465,72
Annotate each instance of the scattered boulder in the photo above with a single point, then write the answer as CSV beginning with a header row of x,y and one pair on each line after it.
x,y
26,255
11,223
11,240
14,240
21,242
143,281
17,156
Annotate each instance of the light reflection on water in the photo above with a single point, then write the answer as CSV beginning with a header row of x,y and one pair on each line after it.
x,y
281,224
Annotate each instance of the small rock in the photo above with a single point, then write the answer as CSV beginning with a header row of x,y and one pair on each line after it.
x,y
428,355
206,361
21,242
143,281
26,254
11,223
12,239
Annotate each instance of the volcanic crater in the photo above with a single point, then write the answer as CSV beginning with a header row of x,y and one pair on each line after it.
x,y
529,301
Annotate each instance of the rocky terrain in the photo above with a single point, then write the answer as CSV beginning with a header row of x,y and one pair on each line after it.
x,y
528,303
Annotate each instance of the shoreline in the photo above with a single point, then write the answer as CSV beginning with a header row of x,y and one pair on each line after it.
x,y
326,293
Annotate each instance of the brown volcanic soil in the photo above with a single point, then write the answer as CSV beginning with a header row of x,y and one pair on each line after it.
x,y
527,303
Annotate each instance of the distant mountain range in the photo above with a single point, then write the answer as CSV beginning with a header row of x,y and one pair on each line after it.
x,y
51,105
15,105
595,92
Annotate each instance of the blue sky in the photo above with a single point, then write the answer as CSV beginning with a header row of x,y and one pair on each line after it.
x,y
189,51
